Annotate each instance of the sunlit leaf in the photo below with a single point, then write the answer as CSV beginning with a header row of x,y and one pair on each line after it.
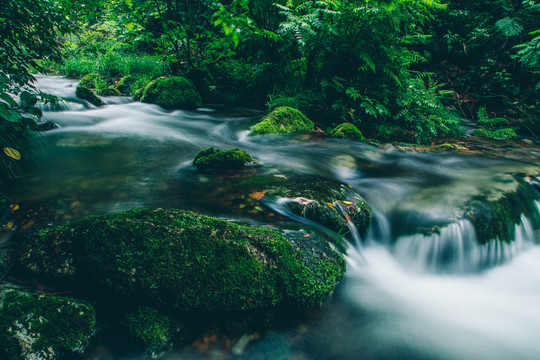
x,y
12,153
257,195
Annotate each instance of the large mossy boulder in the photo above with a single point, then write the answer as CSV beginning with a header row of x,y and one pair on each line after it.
x,y
172,93
213,158
184,261
282,120
324,201
87,94
42,327
347,131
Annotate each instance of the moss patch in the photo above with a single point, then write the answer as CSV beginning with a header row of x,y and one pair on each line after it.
x,y
184,261
85,93
212,158
36,326
150,328
495,219
282,120
347,131
172,93
93,81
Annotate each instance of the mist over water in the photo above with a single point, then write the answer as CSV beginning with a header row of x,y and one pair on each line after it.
x,y
406,294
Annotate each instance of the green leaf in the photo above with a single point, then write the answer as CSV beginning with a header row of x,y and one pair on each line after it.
x,y
509,27
8,99
35,111
10,115
28,99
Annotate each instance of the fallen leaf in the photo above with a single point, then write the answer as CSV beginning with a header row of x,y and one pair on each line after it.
x,y
307,235
15,208
12,153
330,204
280,176
257,195
347,202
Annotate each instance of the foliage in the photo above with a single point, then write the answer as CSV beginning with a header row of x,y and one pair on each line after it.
x,y
484,50
28,32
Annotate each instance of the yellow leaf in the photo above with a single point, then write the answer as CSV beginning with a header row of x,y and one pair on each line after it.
x,y
12,153
330,204
347,202
280,176
14,208
257,195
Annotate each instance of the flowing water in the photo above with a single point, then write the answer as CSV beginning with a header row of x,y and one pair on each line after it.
x,y
407,294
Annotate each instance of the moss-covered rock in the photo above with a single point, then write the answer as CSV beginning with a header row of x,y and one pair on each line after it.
x,y
110,91
151,329
185,261
93,81
40,327
172,93
282,120
213,158
85,93
495,219
125,84
321,200
347,131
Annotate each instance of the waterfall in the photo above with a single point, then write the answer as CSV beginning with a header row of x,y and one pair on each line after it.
x,y
455,248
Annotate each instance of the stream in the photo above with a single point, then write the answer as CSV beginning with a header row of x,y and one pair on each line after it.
x,y
406,294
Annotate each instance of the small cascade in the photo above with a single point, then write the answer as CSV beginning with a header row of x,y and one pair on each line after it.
x,y
455,249
356,240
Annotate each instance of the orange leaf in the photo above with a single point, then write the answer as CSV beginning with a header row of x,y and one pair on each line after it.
x,y
257,195
280,176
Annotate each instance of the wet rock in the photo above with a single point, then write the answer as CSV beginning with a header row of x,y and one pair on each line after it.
x,y
42,327
213,158
324,201
110,91
87,94
184,261
282,120
172,93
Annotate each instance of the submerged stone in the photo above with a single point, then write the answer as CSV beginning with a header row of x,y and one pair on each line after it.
x,y
347,131
185,261
42,327
172,93
213,158
282,120
85,93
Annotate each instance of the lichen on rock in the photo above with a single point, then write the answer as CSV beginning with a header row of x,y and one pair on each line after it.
x,y
282,120
42,327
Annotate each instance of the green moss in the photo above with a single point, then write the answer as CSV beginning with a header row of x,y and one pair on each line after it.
x,y
347,131
125,84
150,328
212,158
503,134
183,260
495,219
85,93
93,81
282,120
110,91
172,93
36,326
